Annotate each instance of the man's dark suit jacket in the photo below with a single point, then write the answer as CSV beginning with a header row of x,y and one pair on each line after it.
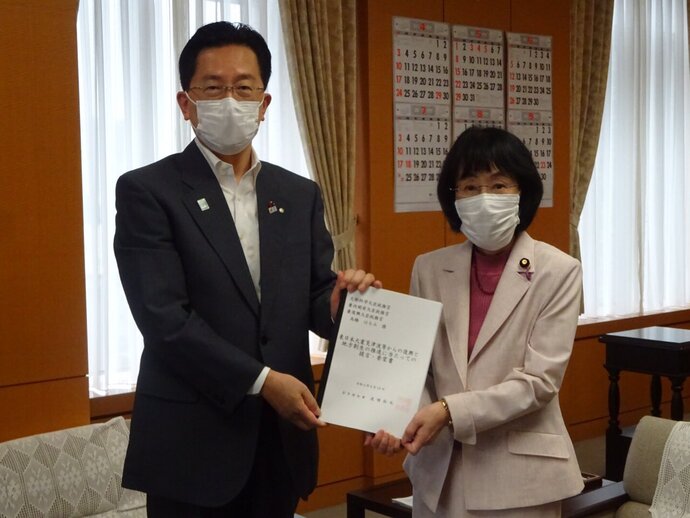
x,y
206,335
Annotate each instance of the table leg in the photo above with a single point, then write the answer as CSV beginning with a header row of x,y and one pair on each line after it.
x,y
615,452
614,400
655,393
354,508
677,398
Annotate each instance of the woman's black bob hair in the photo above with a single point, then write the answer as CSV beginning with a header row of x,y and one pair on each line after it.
x,y
480,149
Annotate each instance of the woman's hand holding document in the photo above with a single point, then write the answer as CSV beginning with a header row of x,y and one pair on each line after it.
x,y
378,361
423,428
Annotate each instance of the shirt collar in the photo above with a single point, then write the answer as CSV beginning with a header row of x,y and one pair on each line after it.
x,y
221,169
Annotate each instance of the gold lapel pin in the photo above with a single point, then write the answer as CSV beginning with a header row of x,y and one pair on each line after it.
x,y
524,264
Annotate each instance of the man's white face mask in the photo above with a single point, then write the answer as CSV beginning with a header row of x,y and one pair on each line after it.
x,y
227,125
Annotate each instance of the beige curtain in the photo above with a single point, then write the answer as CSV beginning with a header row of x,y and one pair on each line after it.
x,y
320,43
590,44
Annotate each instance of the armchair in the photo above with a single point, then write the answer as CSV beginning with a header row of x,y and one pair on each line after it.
x,y
632,497
74,472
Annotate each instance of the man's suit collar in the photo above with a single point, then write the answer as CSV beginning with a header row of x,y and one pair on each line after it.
x,y
207,205
275,215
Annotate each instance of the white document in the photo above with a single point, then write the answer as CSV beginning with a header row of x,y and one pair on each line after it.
x,y
405,501
378,362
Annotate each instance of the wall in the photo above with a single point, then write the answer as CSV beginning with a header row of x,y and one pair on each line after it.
x,y
43,361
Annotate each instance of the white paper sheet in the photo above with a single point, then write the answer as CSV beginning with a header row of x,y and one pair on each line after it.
x,y
379,361
405,501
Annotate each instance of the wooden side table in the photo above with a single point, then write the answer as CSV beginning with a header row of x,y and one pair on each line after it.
x,y
379,499
658,351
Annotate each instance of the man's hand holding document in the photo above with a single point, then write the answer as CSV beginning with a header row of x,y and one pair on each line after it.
x,y
378,360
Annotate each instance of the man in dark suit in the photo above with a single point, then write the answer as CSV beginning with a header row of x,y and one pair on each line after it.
x,y
225,261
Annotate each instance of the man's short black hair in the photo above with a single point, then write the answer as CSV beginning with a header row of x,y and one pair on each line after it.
x,y
219,34
483,149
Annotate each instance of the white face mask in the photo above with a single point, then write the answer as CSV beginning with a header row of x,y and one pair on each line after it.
x,y
227,126
489,220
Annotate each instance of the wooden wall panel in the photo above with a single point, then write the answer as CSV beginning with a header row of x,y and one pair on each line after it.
x,y
585,387
42,407
42,306
341,452
492,14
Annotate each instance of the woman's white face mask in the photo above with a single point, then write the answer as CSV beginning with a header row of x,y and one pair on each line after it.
x,y
226,126
489,220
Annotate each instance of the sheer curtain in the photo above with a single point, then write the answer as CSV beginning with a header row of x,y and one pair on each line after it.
x,y
634,228
127,51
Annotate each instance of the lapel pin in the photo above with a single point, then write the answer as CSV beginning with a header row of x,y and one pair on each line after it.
x,y
524,264
203,204
272,207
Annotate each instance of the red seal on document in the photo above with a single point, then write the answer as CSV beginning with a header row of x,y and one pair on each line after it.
x,y
403,404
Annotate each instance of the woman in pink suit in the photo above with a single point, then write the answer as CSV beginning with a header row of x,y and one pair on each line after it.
x,y
489,439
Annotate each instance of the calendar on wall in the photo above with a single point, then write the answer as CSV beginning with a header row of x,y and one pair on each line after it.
x,y
530,112
478,78
422,110
448,78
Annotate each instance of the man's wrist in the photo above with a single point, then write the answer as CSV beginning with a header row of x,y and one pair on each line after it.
x,y
259,382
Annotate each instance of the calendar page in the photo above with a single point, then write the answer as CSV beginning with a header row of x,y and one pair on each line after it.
x,y
536,131
530,114
422,110
478,78
463,118
448,78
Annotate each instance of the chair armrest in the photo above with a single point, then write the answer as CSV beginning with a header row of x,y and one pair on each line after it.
x,y
608,497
